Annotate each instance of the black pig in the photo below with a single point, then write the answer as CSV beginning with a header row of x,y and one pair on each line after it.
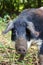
x,y
28,25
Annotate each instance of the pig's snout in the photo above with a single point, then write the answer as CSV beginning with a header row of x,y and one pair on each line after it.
x,y
21,50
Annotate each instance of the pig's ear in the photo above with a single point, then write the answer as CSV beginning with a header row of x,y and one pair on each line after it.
x,y
32,29
9,27
30,26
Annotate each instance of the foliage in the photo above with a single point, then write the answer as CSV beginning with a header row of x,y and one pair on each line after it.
x,y
16,6
4,19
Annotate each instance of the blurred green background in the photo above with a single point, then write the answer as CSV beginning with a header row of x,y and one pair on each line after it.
x,y
14,7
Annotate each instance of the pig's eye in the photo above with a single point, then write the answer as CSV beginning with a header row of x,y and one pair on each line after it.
x,y
19,50
23,50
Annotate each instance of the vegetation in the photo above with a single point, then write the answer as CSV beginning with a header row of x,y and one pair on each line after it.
x,y
16,6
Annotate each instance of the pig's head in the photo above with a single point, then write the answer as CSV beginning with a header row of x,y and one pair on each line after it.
x,y
20,33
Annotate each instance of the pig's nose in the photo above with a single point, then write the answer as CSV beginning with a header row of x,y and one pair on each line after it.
x,y
21,51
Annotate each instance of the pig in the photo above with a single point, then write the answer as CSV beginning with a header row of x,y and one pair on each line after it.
x,y
28,25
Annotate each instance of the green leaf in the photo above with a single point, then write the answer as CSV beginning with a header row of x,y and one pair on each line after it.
x,y
1,45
